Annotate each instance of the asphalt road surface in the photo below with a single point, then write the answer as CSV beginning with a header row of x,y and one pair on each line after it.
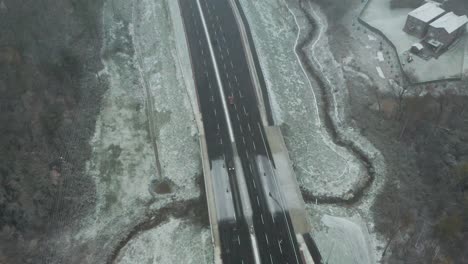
x,y
234,235
275,236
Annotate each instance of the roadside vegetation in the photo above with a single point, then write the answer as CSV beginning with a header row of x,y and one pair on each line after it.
x,y
426,203
422,132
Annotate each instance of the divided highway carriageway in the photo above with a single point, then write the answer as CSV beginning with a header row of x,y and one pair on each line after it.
x,y
254,223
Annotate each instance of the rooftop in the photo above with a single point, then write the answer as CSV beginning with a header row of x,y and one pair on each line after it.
x,y
427,12
450,22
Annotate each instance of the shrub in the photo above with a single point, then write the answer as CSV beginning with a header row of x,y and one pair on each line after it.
x,y
51,119
449,227
462,176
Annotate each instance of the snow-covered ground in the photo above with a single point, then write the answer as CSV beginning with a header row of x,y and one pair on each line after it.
x,y
390,22
344,240
175,241
176,131
357,223
322,168
139,57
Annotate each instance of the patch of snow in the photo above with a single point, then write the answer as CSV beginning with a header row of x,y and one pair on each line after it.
x,y
276,108
348,133
175,241
344,240
380,56
358,73
347,60
173,115
322,167
380,72
122,161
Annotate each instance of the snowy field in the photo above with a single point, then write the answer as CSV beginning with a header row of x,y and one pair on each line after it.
x,y
390,22
139,58
344,240
323,168
176,131
176,241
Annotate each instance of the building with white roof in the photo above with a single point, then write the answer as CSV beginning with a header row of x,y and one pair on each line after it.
x,y
419,19
450,22
443,31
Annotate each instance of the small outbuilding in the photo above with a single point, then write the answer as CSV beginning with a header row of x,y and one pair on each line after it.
x,y
445,30
417,48
419,19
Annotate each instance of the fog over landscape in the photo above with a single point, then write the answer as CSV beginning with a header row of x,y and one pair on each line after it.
x,y
106,152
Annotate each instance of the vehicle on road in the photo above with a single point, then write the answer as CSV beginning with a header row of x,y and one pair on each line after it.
x,y
231,166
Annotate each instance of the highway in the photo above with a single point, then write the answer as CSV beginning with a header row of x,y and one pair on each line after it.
x,y
273,230
232,227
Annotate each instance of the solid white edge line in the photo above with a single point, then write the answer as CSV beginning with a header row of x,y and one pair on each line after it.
x,y
228,121
218,78
279,193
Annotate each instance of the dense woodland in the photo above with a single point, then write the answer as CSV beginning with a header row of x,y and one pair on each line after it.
x,y
49,98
